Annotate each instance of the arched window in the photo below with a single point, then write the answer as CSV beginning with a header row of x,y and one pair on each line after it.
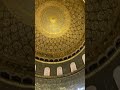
x,y
83,58
84,1
116,75
35,67
73,67
47,71
59,71
92,87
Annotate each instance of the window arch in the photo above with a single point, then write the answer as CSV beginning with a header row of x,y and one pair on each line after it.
x,y
92,87
59,71
47,71
83,58
116,75
73,67
35,67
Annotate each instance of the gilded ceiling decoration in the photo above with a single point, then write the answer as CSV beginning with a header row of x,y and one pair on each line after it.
x,y
60,28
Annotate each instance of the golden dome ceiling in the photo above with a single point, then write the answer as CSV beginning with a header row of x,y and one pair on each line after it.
x,y
59,28
52,19
59,35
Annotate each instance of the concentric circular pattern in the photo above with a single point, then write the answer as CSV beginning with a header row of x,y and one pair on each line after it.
x,y
59,28
52,19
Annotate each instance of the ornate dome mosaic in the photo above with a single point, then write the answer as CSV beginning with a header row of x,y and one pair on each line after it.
x,y
59,29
